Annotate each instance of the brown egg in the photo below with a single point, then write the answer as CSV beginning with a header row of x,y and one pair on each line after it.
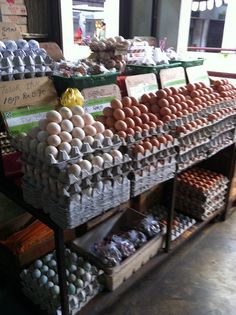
x,y
134,101
138,149
173,116
176,98
161,139
153,100
151,124
185,112
145,118
130,122
152,117
120,125
190,103
182,97
171,100
122,134
155,109
165,111
169,137
163,102
155,142
166,118
107,111
119,114
168,91
184,105
173,109
143,108
147,145
178,106
102,119
161,94
194,94
181,129
159,123
130,131
137,121
128,112
110,122
174,90
145,98
126,101
137,129
191,87
136,111
116,103
145,127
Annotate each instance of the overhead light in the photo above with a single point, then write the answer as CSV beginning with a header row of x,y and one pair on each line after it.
x,y
195,6
210,4
202,6
218,3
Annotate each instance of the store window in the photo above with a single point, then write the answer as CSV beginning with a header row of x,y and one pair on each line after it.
x,y
207,23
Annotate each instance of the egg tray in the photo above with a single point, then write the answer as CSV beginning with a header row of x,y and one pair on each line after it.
x,y
75,154
193,155
79,208
41,295
184,222
221,142
146,178
191,161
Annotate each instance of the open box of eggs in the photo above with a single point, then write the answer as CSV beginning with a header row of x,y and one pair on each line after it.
x,y
201,192
41,284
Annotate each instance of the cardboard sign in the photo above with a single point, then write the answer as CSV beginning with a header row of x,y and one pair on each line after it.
x,y
14,19
198,74
13,9
53,50
97,98
19,93
172,77
7,2
9,31
137,85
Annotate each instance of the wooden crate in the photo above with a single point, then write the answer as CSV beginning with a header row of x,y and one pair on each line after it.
x,y
122,221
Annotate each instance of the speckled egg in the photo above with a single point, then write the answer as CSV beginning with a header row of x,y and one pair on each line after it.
x,y
54,140
77,121
53,128
66,125
54,116
65,112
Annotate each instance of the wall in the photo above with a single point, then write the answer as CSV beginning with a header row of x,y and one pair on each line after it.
x,y
141,18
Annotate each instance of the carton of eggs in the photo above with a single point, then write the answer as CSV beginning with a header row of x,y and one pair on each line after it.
x,y
67,135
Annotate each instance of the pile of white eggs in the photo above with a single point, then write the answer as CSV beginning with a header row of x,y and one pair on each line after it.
x,y
41,284
63,129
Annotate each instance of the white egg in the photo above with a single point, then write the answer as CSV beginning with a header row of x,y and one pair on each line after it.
x,y
108,133
54,116
65,136
89,139
98,161
85,165
99,136
54,140
74,169
33,132
65,146
77,121
51,150
41,148
66,125
77,110
107,157
76,143
78,132
88,119
99,127
90,130
117,154
43,124
42,136
53,128
65,112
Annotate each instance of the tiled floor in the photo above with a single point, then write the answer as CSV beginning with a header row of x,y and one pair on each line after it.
x,y
198,279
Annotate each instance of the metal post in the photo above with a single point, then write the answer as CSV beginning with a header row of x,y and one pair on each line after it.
x,y
60,254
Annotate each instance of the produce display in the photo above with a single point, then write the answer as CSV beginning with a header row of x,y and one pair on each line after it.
x,y
40,282
200,192
23,59
117,247
73,167
180,224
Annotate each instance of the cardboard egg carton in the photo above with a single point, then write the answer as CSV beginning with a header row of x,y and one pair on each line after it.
x,y
220,142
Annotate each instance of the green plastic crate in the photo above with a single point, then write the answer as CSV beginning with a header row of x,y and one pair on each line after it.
x,y
189,63
141,69
62,83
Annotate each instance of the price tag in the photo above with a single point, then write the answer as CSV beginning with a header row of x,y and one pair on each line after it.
x,y
97,98
198,74
137,85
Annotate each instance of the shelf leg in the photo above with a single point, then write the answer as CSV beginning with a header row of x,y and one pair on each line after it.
x,y
170,217
60,254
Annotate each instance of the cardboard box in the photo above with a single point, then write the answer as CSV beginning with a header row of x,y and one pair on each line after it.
x,y
23,28
13,9
14,19
9,31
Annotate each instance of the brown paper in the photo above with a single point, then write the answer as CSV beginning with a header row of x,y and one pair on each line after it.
x,y
9,31
53,50
18,93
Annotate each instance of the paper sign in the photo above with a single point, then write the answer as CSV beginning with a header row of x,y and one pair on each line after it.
x,y
197,74
97,98
22,119
19,93
14,19
172,77
13,9
53,50
9,31
137,85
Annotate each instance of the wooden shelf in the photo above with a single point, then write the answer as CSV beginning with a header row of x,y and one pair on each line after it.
x,y
35,36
